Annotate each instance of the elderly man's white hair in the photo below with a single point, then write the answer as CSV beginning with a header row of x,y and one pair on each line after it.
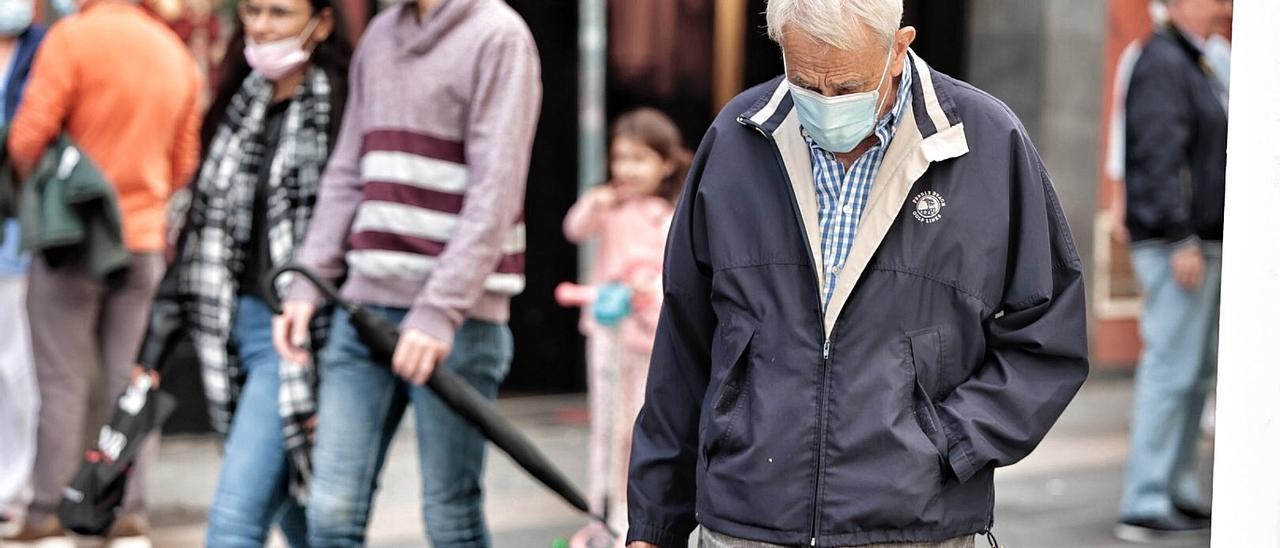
x,y
835,22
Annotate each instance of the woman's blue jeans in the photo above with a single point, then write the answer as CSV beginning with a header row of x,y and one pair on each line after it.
x,y
252,491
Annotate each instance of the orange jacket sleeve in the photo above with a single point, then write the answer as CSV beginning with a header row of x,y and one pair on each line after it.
x,y
50,90
186,144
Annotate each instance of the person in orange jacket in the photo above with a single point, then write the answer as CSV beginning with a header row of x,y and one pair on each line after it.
x,y
127,91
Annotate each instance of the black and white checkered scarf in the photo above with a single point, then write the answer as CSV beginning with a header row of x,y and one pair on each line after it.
x,y
216,246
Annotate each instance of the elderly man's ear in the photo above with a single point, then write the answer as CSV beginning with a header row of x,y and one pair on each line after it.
x,y
901,41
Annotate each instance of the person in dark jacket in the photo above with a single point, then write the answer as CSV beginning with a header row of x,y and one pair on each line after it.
x,y
19,399
1175,181
268,137
872,301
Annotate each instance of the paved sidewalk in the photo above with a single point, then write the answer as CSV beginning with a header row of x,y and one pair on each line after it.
x,y
1064,495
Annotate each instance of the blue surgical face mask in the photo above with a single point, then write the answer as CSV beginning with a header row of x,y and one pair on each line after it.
x,y
838,124
15,17
63,7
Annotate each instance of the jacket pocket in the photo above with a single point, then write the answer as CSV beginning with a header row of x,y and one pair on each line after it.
x,y
729,351
925,349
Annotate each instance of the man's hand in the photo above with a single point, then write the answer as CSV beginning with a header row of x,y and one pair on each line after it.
x,y
1188,266
1119,232
289,330
417,355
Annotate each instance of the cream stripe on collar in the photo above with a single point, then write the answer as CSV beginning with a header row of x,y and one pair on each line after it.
x,y
931,104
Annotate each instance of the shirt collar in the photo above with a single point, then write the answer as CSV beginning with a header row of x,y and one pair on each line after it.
x,y
887,126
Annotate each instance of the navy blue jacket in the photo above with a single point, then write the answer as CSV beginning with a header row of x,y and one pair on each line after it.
x,y
955,337
23,58
1175,145
11,260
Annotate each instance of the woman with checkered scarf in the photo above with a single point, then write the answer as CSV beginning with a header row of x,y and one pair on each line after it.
x,y
267,137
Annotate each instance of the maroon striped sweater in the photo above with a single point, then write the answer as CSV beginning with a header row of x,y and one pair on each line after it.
x,y
421,204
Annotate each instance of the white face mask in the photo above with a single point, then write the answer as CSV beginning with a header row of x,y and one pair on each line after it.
x,y
275,60
838,124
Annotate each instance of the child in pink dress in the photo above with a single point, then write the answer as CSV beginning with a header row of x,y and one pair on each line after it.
x,y
628,218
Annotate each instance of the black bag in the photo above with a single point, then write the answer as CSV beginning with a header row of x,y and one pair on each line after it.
x,y
90,503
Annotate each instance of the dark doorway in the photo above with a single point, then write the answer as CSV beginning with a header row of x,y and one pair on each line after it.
x,y
548,351
941,28
762,59
660,55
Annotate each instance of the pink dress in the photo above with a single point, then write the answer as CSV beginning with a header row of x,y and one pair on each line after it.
x,y
630,236
631,239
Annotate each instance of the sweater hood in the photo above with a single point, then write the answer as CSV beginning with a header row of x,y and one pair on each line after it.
x,y
416,36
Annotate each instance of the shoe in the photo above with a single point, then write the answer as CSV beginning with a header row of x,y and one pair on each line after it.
x,y
44,533
1195,512
8,525
129,531
1160,530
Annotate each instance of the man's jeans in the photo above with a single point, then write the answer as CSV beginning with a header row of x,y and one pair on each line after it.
x,y
253,486
1175,373
361,404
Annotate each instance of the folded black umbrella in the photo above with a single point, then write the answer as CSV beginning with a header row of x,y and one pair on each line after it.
x,y
90,503
381,337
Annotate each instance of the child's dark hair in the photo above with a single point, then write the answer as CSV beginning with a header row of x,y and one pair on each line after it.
x,y
656,130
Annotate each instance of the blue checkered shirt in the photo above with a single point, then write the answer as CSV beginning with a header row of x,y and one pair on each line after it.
x,y
843,195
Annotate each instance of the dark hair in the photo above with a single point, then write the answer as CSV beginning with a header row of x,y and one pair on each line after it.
x,y
333,56
656,130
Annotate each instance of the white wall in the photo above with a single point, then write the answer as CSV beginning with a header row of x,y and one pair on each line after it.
x,y
1247,462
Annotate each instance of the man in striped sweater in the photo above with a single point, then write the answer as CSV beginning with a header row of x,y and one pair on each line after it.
x,y
420,210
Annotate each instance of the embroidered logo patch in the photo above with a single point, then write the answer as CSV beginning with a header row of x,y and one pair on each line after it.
x,y
929,206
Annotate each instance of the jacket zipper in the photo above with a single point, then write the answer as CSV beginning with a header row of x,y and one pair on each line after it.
x,y
822,435
826,341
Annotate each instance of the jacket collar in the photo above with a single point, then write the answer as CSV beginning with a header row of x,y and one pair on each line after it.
x,y
1188,46
937,134
1188,38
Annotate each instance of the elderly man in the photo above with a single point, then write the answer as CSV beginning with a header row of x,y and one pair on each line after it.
x,y
872,301
1175,184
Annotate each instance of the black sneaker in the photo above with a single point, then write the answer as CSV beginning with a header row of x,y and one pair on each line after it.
x,y
1159,530
1198,513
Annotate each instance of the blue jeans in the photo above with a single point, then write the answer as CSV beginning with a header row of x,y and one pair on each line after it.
x,y
1175,373
361,404
253,489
